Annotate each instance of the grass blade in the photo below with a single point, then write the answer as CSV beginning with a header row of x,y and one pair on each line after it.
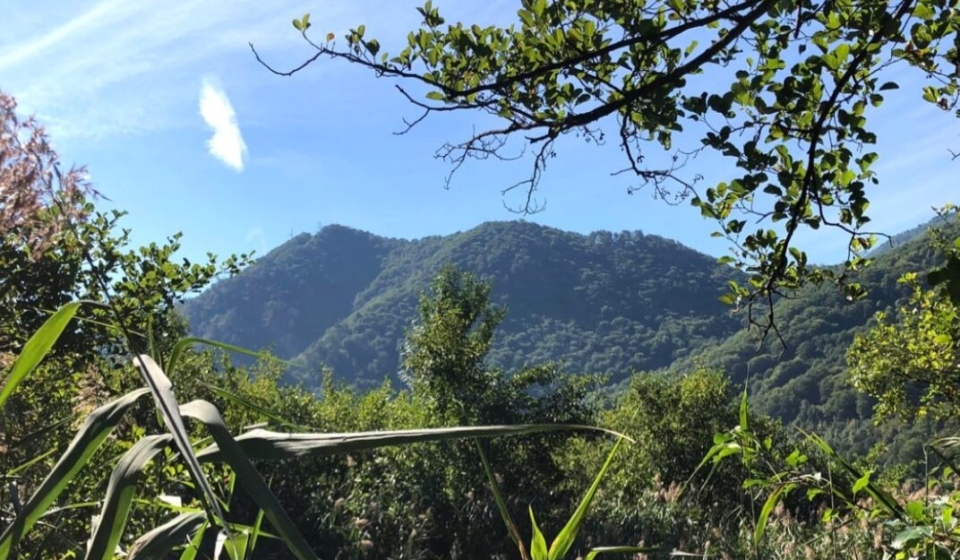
x,y
265,444
89,437
159,542
166,401
775,497
250,479
249,405
873,489
183,343
538,544
37,348
502,505
190,552
564,540
121,490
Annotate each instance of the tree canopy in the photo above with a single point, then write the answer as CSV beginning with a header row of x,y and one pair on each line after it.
x,y
783,89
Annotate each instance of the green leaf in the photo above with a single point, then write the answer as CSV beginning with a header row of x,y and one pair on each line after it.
x,y
160,541
501,503
162,390
743,410
264,444
297,25
594,552
768,507
249,479
85,443
120,493
564,540
538,544
862,482
915,510
889,85
37,348
908,537
435,96
188,341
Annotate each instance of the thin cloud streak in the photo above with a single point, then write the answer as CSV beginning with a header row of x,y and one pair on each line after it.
x,y
227,143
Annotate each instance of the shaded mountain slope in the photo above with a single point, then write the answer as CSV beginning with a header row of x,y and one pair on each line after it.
x,y
603,303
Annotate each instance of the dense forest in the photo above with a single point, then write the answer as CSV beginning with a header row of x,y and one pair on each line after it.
x,y
516,391
603,303
606,304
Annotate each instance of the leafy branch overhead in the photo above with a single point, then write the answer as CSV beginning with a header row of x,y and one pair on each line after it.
x,y
783,89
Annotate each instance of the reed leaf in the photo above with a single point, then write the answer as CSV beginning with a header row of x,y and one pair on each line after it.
x,y
162,391
37,348
265,444
594,552
121,490
250,479
160,541
186,342
502,505
564,540
85,443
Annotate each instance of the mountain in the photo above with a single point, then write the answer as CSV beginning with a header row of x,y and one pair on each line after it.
x,y
609,303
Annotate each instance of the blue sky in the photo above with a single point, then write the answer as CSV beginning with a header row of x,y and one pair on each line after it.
x,y
134,90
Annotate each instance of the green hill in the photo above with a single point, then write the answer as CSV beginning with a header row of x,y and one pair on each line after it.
x,y
603,303
608,303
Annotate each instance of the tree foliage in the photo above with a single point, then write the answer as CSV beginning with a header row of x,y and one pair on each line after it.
x,y
445,352
783,89
908,359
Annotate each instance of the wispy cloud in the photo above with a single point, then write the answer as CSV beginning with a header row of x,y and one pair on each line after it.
x,y
227,143
97,68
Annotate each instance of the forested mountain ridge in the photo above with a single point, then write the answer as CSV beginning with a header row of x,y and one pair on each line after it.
x,y
608,303
602,303
294,293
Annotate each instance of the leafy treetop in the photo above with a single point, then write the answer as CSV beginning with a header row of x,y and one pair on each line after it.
x,y
781,88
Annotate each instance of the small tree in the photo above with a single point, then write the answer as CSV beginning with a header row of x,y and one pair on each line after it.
x,y
444,355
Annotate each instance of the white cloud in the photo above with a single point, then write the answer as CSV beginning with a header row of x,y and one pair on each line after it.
x,y
227,143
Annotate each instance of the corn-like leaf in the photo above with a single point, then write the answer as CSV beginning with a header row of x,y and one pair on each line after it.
x,y
37,348
159,542
162,391
190,552
775,497
266,444
249,479
502,505
538,544
89,437
564,540
121,490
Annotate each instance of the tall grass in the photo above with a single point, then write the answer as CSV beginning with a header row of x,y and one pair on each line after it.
x,y
185,529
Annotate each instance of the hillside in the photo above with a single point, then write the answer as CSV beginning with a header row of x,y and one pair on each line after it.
x,y
603,303
803,380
